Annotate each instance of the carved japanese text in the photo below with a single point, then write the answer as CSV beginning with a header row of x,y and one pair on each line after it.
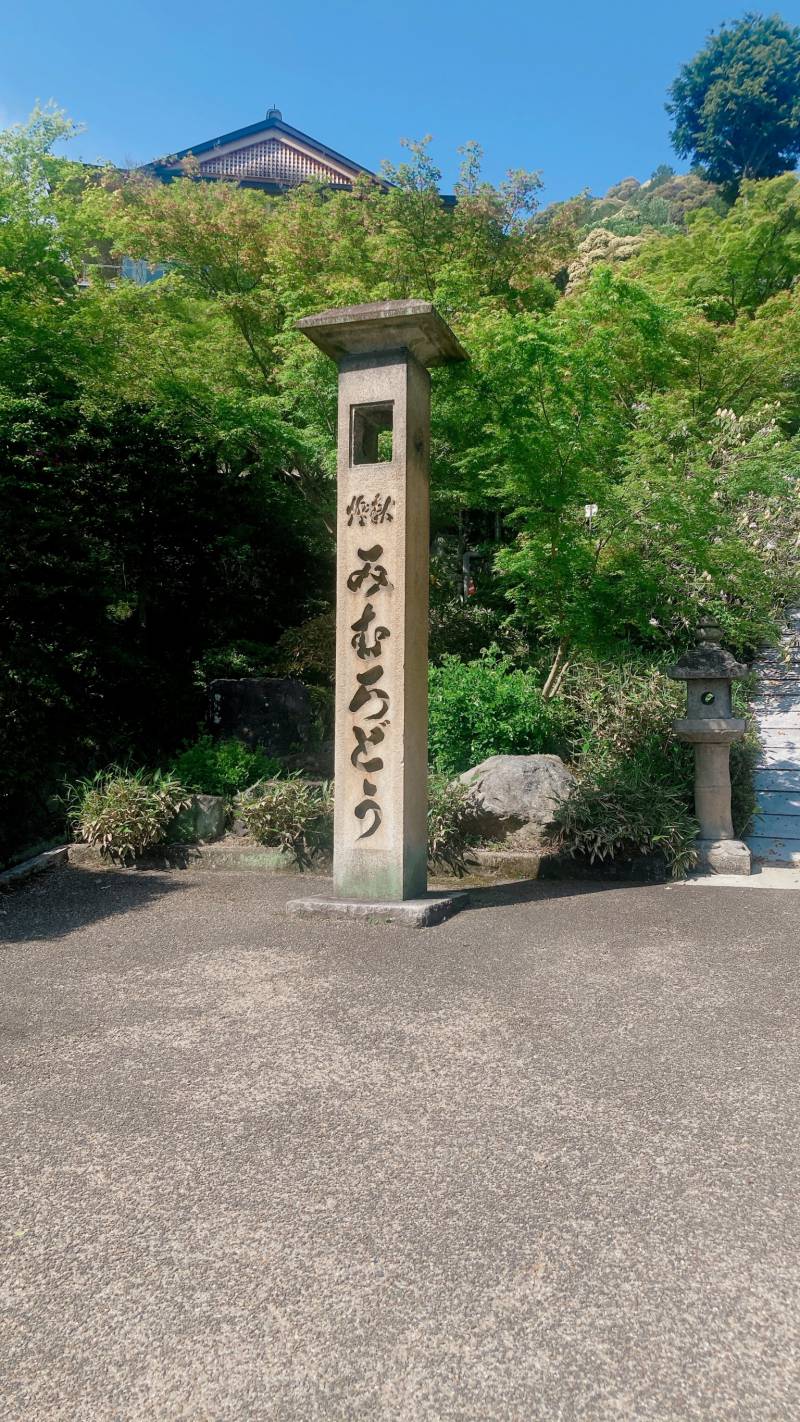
x,y
370,701
362,510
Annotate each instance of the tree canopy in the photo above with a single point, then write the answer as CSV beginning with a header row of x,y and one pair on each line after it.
x,y
619,454
736,105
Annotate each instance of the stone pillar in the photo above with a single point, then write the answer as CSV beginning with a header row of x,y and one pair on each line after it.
x,y
382,629
712,791
381,728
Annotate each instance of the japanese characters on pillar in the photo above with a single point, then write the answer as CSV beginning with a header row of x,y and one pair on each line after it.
x,y
380,820
367,642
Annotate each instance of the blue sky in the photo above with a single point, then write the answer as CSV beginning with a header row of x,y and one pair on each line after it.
x,y
576,90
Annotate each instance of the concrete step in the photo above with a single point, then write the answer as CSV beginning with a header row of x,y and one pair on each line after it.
x,y
772,779
776,704
769,826
784,741
774,851
773,758
779,721
779,802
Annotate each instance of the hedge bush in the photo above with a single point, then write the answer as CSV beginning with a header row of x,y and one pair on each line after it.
x,y
212,767
490,707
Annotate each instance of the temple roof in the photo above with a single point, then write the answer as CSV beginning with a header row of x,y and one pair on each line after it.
x,y
269,154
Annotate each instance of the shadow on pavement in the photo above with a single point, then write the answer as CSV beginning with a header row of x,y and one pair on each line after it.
x,y
524,891
70,898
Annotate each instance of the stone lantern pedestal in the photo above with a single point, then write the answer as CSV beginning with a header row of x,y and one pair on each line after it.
x,y
382,351
711,727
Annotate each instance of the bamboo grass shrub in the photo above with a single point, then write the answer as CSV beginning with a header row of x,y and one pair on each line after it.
x,y
451,825
124,813
295,816
629,809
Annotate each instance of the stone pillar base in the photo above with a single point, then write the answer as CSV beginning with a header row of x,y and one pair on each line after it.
x,y
722,856
412,913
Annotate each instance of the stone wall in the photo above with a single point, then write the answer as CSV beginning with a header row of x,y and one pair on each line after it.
x,y
272,713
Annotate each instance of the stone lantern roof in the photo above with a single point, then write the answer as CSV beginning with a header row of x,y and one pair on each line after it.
x,y
708,661
384,326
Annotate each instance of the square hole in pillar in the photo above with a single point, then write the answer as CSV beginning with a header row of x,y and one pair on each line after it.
x,y
371,433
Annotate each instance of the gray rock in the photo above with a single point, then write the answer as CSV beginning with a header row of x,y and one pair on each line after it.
x,y
517,794
273,713
203,819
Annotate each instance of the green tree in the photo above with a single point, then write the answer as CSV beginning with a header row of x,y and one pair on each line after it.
x,y
728,265
736,105
167,452
632,497
547,409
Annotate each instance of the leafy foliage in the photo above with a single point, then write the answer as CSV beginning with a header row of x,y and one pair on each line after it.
x,y
212,767
125,813
451,825
662,392
308,651
628,809
125,550
636,783
467,630
730,263
736,105
240,658
489,707
293,815
619,705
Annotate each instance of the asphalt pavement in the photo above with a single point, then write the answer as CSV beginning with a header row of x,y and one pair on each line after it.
x,y
538,1162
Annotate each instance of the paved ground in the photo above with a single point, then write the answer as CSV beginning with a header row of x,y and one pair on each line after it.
x,y
541,1162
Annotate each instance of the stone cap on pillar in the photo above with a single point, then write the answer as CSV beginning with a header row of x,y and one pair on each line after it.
x,y
379,326
708,661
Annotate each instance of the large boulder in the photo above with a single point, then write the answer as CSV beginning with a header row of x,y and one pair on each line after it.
x,y
517,794
272,713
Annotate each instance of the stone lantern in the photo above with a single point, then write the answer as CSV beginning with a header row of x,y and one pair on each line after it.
x,y
710,726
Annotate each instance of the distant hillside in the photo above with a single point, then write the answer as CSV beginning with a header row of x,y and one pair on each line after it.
x,y
612,227
661,203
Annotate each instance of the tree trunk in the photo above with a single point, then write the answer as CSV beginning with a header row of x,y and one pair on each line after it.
x,y
555,676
